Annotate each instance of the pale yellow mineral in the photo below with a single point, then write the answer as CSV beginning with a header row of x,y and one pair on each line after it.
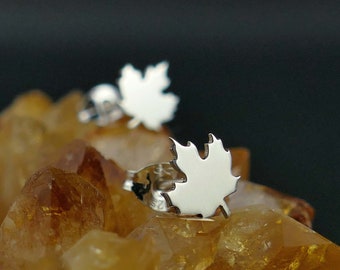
x,y
99,250
33,132
260,238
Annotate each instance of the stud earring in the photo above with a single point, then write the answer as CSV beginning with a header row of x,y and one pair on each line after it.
x,y
190,184
140,97
102,105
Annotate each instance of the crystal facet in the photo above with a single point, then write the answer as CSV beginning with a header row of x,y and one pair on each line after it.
x,y
99,250
260,238
249,193
34,130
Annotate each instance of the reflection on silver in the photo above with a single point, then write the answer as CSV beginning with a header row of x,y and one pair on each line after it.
x,y
150,183
102,105
189,185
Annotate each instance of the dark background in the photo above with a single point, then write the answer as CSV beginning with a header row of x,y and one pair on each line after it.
x,y
258,74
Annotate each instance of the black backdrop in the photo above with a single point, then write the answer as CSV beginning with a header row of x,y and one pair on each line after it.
x,y
258,74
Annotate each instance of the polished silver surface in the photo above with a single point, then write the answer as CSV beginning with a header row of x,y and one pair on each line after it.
x,y
102,105
152,182
189,184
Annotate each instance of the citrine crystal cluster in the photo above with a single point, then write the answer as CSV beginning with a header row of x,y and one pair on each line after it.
x,y
63,206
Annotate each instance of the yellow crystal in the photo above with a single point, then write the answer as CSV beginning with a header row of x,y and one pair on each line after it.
x,y
99,250
249,193
33,130
184,243
260,238
52,212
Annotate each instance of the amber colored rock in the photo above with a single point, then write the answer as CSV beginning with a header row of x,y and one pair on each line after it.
x,y
184,243
249,193
131,149
52,212
49,262
252,238
58,205
17,138
81,158
60,218
33,130
129,211
240,162
259,238
99,250
34,104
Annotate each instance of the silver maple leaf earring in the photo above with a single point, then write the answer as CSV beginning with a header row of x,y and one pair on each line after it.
x,y
189,183
139,96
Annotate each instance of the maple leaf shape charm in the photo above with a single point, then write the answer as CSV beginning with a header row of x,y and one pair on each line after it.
x,y
143,98
208,180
